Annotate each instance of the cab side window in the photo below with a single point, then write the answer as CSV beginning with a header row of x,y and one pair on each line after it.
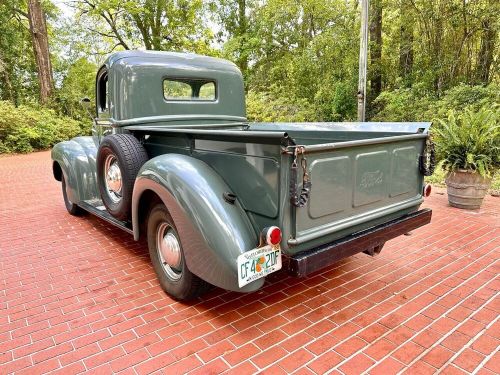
x,y
102,93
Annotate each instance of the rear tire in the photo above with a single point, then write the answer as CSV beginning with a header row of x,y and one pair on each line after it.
x,y
71,207
165,251
119,159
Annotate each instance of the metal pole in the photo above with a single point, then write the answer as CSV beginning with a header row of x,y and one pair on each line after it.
x,y
363,57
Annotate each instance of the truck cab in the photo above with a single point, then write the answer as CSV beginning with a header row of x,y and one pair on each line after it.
x,y
225,202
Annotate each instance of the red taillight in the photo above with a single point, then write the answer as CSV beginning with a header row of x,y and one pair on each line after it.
x,y
427,190
273,236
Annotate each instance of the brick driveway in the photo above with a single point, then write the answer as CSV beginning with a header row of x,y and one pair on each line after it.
x,y
78,295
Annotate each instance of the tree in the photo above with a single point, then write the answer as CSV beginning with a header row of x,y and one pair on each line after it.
x,y
151,24
18,81
376,48
7,91
489,31
38,31
78,83
236,33
307,52
406,42
297,56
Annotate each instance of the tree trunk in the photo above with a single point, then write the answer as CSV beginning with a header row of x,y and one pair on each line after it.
x,y
376,48
242,31
485,58
6,92
38,31
156,27
146,37
406,43
437,51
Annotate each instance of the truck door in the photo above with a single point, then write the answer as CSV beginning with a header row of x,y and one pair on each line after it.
x,y
102,126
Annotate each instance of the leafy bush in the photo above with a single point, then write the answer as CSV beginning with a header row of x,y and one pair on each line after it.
x,y
263,107
78,83
438,177
29,128
495,183
464,96
418,104
469,140
406,104
336,101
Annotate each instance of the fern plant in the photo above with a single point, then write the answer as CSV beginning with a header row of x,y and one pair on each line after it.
x,y
469,140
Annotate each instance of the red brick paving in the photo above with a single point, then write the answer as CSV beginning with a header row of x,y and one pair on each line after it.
x,y
77,295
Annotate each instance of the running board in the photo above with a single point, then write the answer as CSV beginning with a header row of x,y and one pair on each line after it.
x,y
95,207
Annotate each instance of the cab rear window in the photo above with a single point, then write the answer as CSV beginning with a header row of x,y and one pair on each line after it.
x,y
175,89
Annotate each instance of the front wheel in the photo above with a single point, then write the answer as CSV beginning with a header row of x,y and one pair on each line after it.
x,y
165,251
71,207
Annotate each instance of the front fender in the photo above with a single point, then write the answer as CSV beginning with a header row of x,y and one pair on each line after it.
x,y
77,161
213,232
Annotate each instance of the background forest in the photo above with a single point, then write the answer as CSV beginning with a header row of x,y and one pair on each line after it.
x,y
299,57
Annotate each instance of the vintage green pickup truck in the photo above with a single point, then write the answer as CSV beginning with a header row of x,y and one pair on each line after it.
x,y
221,201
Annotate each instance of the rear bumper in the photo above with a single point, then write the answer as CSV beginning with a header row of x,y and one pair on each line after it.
x,y
309,261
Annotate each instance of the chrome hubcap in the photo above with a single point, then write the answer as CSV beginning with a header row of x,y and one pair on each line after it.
x,y
113,178
169,250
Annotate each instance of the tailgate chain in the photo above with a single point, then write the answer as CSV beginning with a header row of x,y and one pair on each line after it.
x,y
296,199
427,161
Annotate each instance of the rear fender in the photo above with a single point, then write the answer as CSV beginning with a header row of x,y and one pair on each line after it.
x,y
76,158
213,232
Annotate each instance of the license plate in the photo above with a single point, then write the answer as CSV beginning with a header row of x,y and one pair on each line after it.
x,y
258,263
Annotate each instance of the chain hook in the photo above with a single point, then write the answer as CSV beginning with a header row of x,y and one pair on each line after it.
x,y
299,199
295,155
303,164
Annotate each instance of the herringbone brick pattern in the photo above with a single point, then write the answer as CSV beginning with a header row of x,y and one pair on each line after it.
x,y
77,295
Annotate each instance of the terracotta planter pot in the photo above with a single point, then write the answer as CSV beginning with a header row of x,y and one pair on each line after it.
x,y
466,189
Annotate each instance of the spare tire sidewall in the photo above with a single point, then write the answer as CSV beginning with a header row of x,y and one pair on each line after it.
x,y
111,146
113,207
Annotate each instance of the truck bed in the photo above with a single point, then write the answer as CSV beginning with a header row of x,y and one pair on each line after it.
x,y
362,174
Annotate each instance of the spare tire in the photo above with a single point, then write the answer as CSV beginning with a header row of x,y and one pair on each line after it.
x,y
119,158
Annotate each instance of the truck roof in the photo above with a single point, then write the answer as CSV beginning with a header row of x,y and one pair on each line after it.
x,y
172,59
146,86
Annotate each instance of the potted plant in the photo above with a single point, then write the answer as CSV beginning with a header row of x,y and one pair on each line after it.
x,y
469,146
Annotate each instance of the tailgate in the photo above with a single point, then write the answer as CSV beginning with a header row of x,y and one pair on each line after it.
x,y
358,184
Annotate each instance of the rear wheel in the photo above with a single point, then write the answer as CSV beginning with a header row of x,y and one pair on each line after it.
x,y
165,251
71,207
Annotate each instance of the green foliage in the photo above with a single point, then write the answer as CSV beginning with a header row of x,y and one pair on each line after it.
x,y
438,177
28,128
469,140
297,54
419,104
78,83
299,57
158,25
308,49
18,80
495,183
406,104
462,96
262,107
